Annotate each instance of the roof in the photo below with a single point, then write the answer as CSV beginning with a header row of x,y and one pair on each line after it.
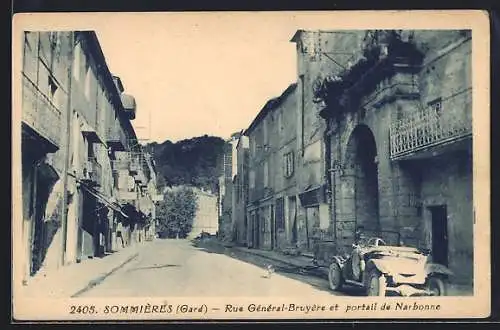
x,y
109,80
241,140
296,35
269,106
102,66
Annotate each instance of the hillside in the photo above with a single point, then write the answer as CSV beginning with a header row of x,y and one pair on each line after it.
x,y
194,161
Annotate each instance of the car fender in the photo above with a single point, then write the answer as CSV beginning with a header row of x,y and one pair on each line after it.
x,y
339,261
433,268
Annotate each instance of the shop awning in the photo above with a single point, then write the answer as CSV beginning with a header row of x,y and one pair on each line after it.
x,y
104,199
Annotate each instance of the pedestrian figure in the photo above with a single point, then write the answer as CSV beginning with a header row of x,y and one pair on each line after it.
x,y
119,236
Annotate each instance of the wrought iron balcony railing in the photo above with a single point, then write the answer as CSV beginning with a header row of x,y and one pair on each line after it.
x,y
39,113
120,164
448,122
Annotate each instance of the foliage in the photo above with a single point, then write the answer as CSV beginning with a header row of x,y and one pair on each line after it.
x,y
194,161
176,212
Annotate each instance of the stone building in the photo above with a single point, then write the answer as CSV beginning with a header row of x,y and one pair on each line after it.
x,y
379,138
240,192
75,120
271,176
397,137
206,219
225,188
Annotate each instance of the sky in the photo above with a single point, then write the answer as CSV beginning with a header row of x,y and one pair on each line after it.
x,y
196,73
193,75
202,73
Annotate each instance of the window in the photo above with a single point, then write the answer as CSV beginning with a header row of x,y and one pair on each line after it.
x,y
436,105
55,94
77,62
288,164
87,83
266,174
251,177
264,127
52,90
55,44
280,121
280,213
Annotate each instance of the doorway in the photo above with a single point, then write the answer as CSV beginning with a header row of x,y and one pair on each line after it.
x,y
439,223
256,229
273,228
292,215
359,180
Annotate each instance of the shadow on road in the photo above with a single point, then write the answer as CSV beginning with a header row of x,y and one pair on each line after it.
x,y
308,275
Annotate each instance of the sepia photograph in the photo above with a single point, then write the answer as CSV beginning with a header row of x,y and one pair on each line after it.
x,y
235,165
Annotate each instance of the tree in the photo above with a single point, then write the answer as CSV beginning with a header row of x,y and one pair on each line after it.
x,y
176,212
194,161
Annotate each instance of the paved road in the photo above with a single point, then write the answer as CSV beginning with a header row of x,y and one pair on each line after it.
x,y
177,268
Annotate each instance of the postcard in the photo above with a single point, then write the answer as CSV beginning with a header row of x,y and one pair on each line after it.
x,y
251,165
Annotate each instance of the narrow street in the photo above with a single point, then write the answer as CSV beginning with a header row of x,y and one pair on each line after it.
x,y
177,268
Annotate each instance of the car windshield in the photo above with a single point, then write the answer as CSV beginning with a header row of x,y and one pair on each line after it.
x,y
368,237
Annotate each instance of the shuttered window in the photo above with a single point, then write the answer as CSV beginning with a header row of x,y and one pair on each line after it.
x,y
280,213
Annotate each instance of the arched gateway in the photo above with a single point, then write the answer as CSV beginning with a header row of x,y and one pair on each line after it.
x,y
359,205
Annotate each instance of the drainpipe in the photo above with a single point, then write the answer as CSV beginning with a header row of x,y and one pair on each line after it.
x,y
332,187
339,157
34,201
68,113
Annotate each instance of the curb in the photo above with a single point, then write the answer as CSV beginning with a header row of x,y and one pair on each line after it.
x,y
287,262
315,271
93,283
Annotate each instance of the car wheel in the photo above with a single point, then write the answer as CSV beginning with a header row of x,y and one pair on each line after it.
x,y
436,286
376,284
335,278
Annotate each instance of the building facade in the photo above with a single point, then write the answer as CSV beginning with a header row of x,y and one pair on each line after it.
x,y
379,138
398,137
206,218
272,186
225,189
75,125
240,192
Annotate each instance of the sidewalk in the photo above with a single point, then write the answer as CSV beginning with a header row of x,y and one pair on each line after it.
x,y
300,261
72,280
306,263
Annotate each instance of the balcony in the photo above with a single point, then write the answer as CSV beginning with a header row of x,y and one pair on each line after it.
x,y
129,106
116,138
120,164
432,130
94,171
140,178
134,166
40,114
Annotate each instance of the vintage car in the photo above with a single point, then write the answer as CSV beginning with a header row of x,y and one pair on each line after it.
x,y
380,268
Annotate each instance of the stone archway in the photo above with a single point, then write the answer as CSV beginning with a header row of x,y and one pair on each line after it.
x,y
359,184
